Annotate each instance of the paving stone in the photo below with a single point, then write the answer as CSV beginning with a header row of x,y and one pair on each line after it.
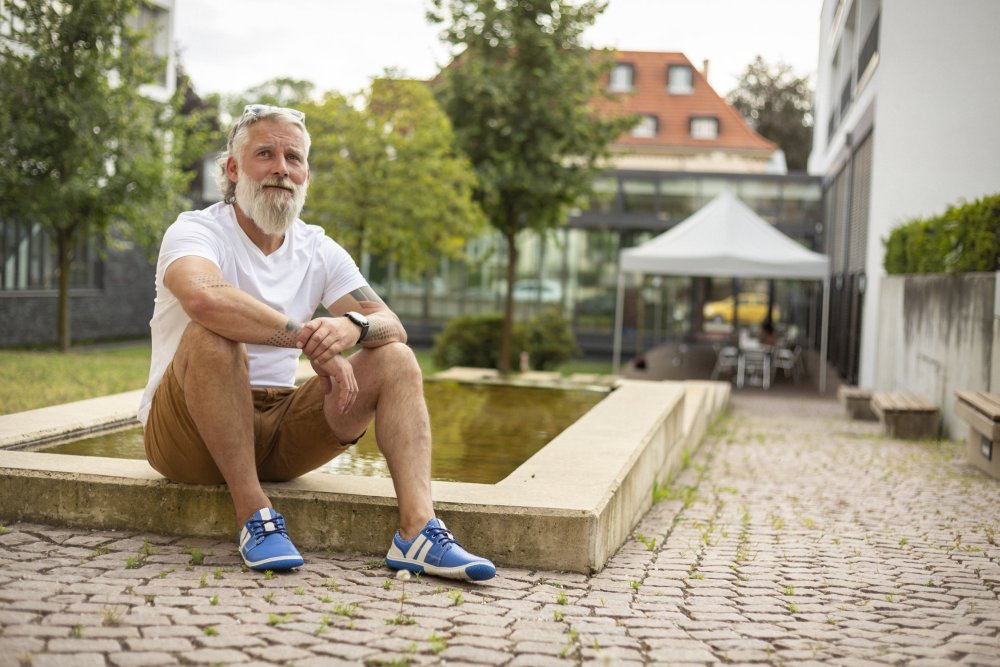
x,y
529,660
211,656
72,645
474,655
144,659
826,582
78,660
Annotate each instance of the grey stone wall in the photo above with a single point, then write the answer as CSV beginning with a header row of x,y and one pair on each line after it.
x,y
937,334
121,309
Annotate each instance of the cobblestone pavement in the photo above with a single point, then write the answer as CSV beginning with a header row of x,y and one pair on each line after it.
x,y
793,537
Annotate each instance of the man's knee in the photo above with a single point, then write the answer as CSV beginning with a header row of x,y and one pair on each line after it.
x,y
205,347
395,361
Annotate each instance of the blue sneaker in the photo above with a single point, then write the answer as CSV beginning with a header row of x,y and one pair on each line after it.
x,y
264,544
435,551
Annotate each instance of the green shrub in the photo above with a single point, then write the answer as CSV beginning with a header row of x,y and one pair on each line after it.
x,y
550,340
474,340
965,238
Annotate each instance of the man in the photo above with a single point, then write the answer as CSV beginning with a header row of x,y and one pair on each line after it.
x,y
236,288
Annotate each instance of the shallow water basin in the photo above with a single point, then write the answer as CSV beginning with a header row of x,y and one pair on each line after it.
x,y
481,432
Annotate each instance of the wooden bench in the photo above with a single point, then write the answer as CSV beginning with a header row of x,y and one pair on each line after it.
x,y
857,402
981,411
905,415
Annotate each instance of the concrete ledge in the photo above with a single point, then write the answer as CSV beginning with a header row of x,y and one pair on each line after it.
x,y
570,506
35,427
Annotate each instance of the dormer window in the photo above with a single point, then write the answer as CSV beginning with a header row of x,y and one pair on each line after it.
x,y
622,78
680,80
646,127
704,127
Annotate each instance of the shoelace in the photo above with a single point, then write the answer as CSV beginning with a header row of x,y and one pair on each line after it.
x,y
441,536
256,527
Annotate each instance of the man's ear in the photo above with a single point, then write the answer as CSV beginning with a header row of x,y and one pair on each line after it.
x,y
232,169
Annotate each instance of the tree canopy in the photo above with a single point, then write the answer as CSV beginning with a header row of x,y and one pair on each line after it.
x,y
82,150
517,93
386,178
778,104
279,92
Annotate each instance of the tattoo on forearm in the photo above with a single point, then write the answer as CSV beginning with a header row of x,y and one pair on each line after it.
x,y
286,337
378,330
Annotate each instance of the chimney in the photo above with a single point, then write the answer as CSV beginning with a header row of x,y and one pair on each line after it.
x,y
704,68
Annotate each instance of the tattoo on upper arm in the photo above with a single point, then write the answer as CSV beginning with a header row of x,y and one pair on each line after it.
x,y
367,297
286,337
208,281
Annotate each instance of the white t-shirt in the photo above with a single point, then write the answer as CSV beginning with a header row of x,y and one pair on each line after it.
x,y
308,269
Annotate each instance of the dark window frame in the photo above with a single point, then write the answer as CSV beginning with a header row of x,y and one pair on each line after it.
x,y
677,91
698,117
631,79
656,126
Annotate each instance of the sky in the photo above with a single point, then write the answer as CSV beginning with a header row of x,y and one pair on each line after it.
x,y
227,46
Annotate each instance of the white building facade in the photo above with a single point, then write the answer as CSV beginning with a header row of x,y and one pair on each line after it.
x,y
907,98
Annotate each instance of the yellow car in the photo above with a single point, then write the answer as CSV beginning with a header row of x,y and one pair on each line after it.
x,y
752,309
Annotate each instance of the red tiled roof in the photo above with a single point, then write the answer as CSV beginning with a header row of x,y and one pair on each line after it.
x,y
674,111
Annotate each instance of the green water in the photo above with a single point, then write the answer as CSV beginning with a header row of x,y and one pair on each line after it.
x,y
481,432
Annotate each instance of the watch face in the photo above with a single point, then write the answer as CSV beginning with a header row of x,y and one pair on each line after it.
x,y
359,320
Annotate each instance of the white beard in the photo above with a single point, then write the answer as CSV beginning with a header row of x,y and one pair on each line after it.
x,y
273,211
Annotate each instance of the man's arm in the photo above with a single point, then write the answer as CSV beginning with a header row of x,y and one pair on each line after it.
x,y
219,306
383,324
326,337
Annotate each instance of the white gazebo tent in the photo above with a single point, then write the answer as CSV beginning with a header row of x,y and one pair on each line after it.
x,y
725,238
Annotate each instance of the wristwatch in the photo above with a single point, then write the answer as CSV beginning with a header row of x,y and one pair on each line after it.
x,y
361,321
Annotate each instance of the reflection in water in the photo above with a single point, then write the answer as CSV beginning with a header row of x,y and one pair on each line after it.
x,y
481,432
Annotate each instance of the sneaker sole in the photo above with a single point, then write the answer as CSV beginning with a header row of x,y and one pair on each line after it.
x,y
274,563
473,572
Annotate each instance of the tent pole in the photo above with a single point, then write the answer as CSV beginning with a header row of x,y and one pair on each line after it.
x,y
823,335
619,323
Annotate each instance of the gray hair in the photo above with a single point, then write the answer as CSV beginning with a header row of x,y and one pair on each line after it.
x,y
240,133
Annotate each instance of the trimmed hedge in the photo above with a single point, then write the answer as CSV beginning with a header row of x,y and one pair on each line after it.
x,y
474,340
963,239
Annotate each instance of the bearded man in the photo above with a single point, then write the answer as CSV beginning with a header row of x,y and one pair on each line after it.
x,y
237,285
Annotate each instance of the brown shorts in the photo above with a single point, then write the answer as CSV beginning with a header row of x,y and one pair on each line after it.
x,y
291,435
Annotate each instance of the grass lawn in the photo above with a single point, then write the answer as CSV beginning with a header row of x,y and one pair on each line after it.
x,y
32,379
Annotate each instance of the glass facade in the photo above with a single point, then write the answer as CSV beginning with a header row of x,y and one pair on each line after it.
x,y
29,262
575,268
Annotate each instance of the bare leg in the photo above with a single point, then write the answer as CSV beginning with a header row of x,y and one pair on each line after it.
x,y
391,390
213,373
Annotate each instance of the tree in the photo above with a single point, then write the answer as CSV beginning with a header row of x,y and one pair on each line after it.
x,y
82,151
517,94
778,104
386,178
279,92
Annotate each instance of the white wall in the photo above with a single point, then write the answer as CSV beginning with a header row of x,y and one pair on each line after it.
x,y
937,139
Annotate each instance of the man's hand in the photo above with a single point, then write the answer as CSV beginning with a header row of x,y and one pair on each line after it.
x,y
324,338
339,370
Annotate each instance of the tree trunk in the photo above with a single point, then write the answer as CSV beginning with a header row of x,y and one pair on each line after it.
x,y
64,249
507,332
425,301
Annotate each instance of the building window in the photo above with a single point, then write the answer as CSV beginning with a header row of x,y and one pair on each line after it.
x,y
154,23
680,80
646,127
639,195
704,127
28,260
622,78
